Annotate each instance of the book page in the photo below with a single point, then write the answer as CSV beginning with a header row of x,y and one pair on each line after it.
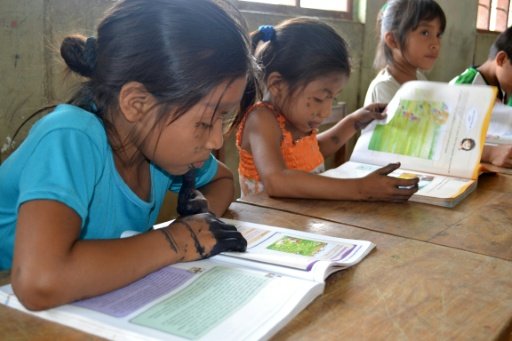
x,y
500,127
202,300
297,249
430,127
431,185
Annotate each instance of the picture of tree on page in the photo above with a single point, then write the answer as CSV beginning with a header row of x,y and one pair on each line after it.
x,y
431,127
436,131
415,130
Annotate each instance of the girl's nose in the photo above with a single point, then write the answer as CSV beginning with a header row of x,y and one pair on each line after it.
x,y
326,110
436,44
215,138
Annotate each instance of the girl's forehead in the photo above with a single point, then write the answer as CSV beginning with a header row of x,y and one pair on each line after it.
x,y
333,82
431,23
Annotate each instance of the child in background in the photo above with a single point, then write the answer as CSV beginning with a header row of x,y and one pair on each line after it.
x,y
409,33
305,65
497,71
162,76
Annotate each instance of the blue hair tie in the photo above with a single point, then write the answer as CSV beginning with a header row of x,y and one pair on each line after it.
x,y
267,31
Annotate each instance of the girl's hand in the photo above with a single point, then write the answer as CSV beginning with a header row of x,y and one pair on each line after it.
x,y
366,115
190,200
202,235
378,186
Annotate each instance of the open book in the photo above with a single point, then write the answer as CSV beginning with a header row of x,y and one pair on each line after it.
x,y
232,296
436,131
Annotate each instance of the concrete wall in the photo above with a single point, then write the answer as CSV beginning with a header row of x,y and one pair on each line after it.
x,y
32,73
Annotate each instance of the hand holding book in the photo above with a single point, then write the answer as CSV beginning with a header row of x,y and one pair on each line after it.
x,y
437,133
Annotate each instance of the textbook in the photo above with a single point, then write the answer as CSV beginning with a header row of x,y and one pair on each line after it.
x,y
231,296
437,132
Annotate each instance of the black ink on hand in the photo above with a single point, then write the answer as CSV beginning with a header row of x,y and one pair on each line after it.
x,y
190,200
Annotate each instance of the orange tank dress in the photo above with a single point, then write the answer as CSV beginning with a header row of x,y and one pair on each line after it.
x,y
303,154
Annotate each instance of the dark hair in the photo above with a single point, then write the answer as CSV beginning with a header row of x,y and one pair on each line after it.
x,y
502,43
179,50
401,17
300,49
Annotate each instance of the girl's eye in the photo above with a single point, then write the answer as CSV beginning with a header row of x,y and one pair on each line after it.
x,y
204,125
425,33
318,100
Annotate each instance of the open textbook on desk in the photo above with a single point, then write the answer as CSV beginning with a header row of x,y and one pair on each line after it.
x,y
436,131
232,296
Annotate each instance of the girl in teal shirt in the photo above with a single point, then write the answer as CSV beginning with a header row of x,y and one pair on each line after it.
x,y
161,78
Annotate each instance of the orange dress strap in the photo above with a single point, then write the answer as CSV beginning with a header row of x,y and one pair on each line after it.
x,y
303,154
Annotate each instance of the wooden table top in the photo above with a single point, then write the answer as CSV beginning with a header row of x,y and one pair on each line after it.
x,y
405,289
481,223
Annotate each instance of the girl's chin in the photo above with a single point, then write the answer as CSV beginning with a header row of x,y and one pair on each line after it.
x,y
176,171
197,164
183,169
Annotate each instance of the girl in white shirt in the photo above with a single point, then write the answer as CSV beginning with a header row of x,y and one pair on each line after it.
x,y
409,41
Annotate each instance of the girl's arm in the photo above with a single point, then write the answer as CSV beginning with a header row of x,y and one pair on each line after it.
x,y
220,192
51,266
262,137
331,140
499,155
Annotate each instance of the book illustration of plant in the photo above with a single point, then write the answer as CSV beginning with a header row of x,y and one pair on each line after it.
x,y
415,130
297,246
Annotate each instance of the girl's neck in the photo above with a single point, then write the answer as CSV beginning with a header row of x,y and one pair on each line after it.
x,y
401,72
135,174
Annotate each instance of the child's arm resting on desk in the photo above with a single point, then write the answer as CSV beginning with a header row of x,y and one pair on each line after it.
x,y
52,266
264,138
498,155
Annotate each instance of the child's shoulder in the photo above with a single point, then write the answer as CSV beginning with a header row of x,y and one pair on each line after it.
x,y
70,116
262,118
263,113
262,107
67,118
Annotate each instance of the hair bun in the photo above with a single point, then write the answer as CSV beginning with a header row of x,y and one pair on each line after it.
x,y
79,54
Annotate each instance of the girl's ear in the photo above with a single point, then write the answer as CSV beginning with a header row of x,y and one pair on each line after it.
x,y
135,101
390,41
501,58
275,84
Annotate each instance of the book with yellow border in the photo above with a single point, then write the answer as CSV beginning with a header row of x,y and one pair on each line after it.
x,y
437,132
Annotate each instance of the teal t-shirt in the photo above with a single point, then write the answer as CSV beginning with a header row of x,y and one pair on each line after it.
x,y
66,157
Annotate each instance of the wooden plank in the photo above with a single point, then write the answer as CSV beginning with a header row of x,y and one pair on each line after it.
x,y
481,223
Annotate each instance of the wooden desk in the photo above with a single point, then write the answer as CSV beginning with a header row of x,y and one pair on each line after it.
x,y
404,290
481,223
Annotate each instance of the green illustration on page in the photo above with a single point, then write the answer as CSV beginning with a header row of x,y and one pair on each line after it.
x,y
297,246
414,130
